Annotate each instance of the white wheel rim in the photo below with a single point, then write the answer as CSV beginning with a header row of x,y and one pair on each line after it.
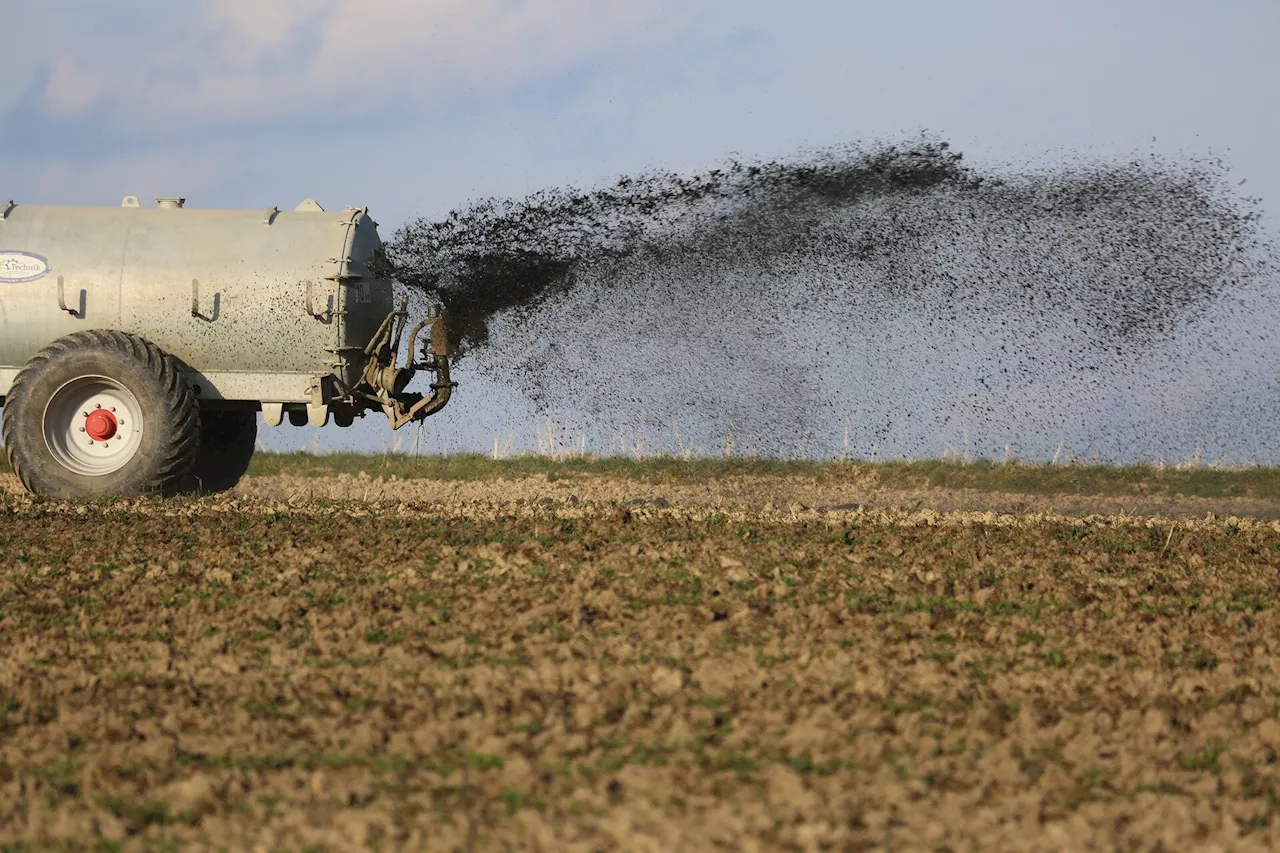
x,y
93,426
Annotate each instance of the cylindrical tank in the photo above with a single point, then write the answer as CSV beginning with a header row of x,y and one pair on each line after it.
x,y
137,345
257,303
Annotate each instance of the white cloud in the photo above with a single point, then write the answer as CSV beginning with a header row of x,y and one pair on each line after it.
x,y
250,31
265,60
71,89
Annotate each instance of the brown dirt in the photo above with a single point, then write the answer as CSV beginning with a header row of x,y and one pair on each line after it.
x,y
480,670
749,493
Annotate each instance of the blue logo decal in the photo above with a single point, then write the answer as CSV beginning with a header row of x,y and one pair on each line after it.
x,y
21,267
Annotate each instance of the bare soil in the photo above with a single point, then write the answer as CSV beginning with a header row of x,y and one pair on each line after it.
x,y
753,493
355,664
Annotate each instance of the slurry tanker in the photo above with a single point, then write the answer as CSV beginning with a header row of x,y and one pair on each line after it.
x,y
138,344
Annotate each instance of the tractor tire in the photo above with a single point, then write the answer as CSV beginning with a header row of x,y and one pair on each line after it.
x,y
101,413
227,442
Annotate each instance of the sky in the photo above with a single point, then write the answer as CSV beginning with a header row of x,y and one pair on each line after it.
x,y
412,107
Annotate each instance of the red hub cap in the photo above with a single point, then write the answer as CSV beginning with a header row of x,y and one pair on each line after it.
x,y
101,425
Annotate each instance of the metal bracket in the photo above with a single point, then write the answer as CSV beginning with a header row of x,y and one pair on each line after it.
x,y
273,414
353,215
318,408
269,215
6,209
62,301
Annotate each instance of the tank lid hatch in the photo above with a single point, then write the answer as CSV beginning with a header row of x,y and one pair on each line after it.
x,y
170,201
309,204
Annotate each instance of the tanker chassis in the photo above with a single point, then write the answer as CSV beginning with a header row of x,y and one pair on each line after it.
x,y
138,344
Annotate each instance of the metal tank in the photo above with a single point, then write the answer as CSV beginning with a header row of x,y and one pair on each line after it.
x,y
283,312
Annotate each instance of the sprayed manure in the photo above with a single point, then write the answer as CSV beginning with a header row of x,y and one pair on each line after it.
x,y
895,290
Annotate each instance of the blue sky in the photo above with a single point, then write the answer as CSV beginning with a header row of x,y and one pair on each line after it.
x,y
411,106
414,106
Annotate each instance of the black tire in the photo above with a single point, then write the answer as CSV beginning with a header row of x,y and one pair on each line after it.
x,y
153,455
227,442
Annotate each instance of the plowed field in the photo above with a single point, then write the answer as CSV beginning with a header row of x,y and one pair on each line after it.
x,y
511,666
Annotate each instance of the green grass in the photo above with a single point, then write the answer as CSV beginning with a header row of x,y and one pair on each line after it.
x,y
474,466
1261,483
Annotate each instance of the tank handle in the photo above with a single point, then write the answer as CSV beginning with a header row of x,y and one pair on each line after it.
x,y
62,300
195,303
6,209
324,317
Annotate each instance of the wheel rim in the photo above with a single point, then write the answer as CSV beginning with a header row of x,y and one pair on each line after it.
x,y
93,426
